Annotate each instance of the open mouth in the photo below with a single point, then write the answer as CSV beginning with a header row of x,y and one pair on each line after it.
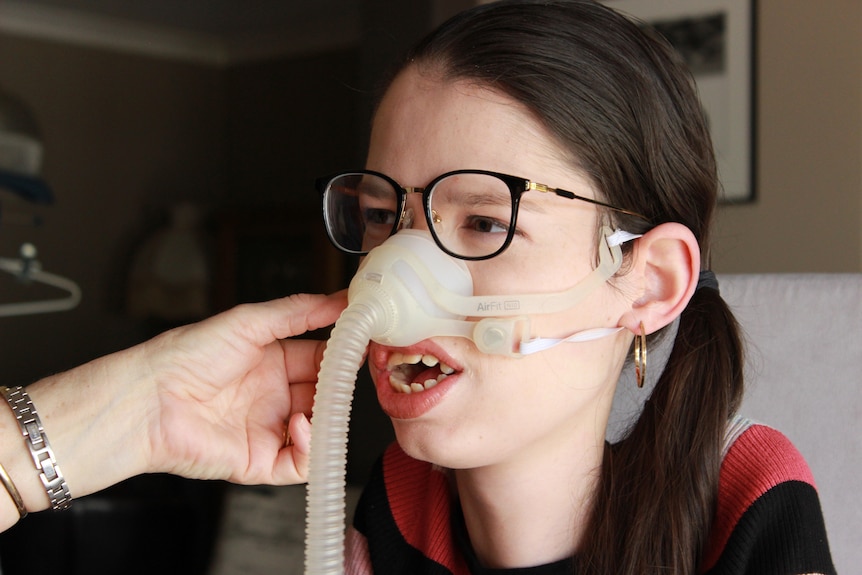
x,y
415,373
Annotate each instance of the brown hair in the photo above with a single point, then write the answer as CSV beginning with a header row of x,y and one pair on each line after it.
x,y
622,103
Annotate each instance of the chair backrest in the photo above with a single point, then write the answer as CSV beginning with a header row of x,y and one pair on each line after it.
x,y
803,377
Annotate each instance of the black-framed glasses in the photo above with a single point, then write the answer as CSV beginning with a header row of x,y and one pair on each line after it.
x,y
471,213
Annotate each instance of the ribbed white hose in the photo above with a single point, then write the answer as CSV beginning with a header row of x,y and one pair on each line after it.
x,y
325,520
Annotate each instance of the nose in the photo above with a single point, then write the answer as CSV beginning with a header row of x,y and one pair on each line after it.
x,y
412,217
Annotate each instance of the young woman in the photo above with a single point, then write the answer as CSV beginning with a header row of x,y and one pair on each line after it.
x,y
501,464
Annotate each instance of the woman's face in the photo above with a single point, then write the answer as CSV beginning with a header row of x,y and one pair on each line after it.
x,y
491,408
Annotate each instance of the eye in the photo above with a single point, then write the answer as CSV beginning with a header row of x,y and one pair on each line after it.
x,y
486,225
378,216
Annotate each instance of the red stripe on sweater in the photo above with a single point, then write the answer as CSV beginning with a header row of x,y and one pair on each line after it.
x,y
760,459
420,503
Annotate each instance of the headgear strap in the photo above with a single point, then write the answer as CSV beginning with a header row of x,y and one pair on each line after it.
x,y
707,280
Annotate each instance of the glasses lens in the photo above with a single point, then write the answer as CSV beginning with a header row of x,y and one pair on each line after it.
x,y
361,211
471,214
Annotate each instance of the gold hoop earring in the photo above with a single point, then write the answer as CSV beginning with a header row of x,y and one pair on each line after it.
x,y
640,356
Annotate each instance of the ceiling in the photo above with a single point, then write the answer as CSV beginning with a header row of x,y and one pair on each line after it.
x,y
235,26
222,17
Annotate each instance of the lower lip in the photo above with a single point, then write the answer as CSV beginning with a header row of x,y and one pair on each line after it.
x,y
410,405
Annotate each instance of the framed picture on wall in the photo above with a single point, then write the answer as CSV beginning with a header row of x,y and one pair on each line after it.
x,y
716,38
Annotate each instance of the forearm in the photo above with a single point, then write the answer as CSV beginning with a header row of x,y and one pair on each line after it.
x,y
205,401
94,417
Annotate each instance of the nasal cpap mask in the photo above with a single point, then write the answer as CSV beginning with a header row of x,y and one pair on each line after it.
x,y
407,290
422,292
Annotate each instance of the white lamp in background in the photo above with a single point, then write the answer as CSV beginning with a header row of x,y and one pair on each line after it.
x,y
170,277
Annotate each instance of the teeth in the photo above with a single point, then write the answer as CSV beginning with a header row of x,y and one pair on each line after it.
x,y
429,360
398,378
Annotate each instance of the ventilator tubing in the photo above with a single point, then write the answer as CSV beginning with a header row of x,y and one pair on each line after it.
x,y
381,303
324,536
407,290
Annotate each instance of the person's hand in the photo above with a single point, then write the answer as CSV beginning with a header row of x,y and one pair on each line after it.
x,y
232,397
206,401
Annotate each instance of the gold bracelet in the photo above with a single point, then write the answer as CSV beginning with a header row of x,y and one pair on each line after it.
x,y
13,492
37,442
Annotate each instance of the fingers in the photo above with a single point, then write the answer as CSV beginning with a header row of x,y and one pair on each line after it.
x,y
302,398
239,350
297,314
302,359
261,323
292,461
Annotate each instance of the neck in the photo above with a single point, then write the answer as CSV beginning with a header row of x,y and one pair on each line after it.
x,y
533,510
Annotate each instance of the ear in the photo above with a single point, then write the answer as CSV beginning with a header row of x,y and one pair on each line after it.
x,y
664,276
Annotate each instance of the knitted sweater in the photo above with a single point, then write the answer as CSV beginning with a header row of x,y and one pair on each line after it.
x,y
768,520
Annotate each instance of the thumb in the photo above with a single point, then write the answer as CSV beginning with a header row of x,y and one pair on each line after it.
x,y
292,462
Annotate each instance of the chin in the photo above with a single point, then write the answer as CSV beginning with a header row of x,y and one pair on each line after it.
x,y
445,448
426,444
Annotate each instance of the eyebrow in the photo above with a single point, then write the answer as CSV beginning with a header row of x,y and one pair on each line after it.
x,y
363,187
532,205
480,199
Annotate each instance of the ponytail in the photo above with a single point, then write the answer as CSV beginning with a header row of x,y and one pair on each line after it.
x,y
656,499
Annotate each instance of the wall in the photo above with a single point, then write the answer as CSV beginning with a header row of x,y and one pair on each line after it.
x,y
124,135
807,216
290,121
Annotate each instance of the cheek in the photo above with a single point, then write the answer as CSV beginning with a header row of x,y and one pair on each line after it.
x,y
546,391
539,271
552,257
